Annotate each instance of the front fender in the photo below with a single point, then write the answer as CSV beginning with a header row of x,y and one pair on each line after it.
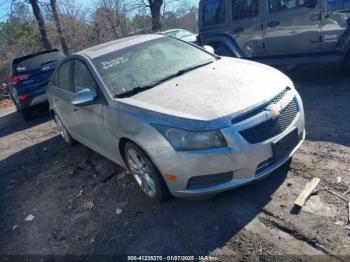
x,y
227,41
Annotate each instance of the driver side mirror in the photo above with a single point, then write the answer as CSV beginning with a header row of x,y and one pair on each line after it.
x,y
310,3
209,49
83,97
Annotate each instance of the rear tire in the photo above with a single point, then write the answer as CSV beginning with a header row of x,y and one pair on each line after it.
x,y
63,130
145,173
27,114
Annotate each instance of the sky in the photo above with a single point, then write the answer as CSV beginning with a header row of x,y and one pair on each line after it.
x,y
5,6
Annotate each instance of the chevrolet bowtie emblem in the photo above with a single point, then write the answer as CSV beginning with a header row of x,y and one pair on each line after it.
x,y
274,110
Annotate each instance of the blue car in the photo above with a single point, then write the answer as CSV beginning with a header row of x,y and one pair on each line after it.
x,y
29,77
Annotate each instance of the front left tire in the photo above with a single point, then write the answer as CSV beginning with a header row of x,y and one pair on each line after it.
x,y
145,173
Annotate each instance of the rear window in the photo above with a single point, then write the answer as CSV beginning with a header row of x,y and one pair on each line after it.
x,y
213,12
244,8
36,61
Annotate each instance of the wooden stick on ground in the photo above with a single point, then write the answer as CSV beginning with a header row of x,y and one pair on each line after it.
x,y
300,201
336,194
342,198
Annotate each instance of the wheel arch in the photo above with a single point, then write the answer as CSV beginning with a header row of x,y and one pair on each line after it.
x,y
226,40
122,143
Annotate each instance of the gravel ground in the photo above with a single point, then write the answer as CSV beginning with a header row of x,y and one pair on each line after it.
x,y
83,204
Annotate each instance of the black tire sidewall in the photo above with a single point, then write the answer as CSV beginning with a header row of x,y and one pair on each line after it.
x,y
69,138
162,192
27,114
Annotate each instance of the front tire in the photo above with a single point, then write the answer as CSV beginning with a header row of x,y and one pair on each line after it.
x,y
145,173
63,130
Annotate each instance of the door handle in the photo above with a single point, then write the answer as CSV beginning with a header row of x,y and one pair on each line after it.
x,y
56,100
273,24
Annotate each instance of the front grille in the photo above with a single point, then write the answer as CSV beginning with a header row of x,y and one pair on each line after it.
x,y
260,108
271,127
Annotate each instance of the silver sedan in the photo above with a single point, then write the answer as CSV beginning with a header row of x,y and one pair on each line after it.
x,y
184,121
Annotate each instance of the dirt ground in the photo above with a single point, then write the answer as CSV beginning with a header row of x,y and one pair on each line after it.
x,y
83,204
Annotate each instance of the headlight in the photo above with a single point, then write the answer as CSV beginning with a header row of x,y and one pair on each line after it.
x,y
183,140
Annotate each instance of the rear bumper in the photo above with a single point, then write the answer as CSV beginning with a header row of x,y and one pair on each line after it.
x,y
37,97
39,100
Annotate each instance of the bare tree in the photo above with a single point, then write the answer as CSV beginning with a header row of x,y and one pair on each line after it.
x,y
56,17
155,7
41,24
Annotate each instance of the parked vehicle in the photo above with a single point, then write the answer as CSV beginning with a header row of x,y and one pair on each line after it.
x,y
182,34
178,117
29,77
278,32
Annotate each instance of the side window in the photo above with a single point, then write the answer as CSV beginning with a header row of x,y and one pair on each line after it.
x,y
65,76
214,12
282,5
83,78
335,4
244,8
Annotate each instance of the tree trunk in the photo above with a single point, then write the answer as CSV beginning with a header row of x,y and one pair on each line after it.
x,y
59,26
41,24
155,6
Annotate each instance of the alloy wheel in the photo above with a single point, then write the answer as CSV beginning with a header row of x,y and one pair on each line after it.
x,y
141,172
63,131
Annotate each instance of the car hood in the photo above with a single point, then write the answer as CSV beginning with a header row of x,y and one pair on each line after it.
x,y
218,91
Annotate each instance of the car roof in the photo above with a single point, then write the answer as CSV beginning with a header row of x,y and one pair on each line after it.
x,y
109,47
175,29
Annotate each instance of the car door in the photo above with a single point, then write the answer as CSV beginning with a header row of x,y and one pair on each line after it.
x,y
292,27
62,91
90,119
247,26
335,22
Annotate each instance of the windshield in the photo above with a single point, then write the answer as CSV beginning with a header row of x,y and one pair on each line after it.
x,y
148,63
179,33
36,61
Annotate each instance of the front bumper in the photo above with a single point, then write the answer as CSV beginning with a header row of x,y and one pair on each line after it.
x,y
234,183
240,158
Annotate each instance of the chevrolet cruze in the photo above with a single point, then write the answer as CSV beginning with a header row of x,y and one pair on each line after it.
x,y
184,121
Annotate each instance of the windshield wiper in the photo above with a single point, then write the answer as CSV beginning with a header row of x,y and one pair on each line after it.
x,y
138,89
135,90
182,71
